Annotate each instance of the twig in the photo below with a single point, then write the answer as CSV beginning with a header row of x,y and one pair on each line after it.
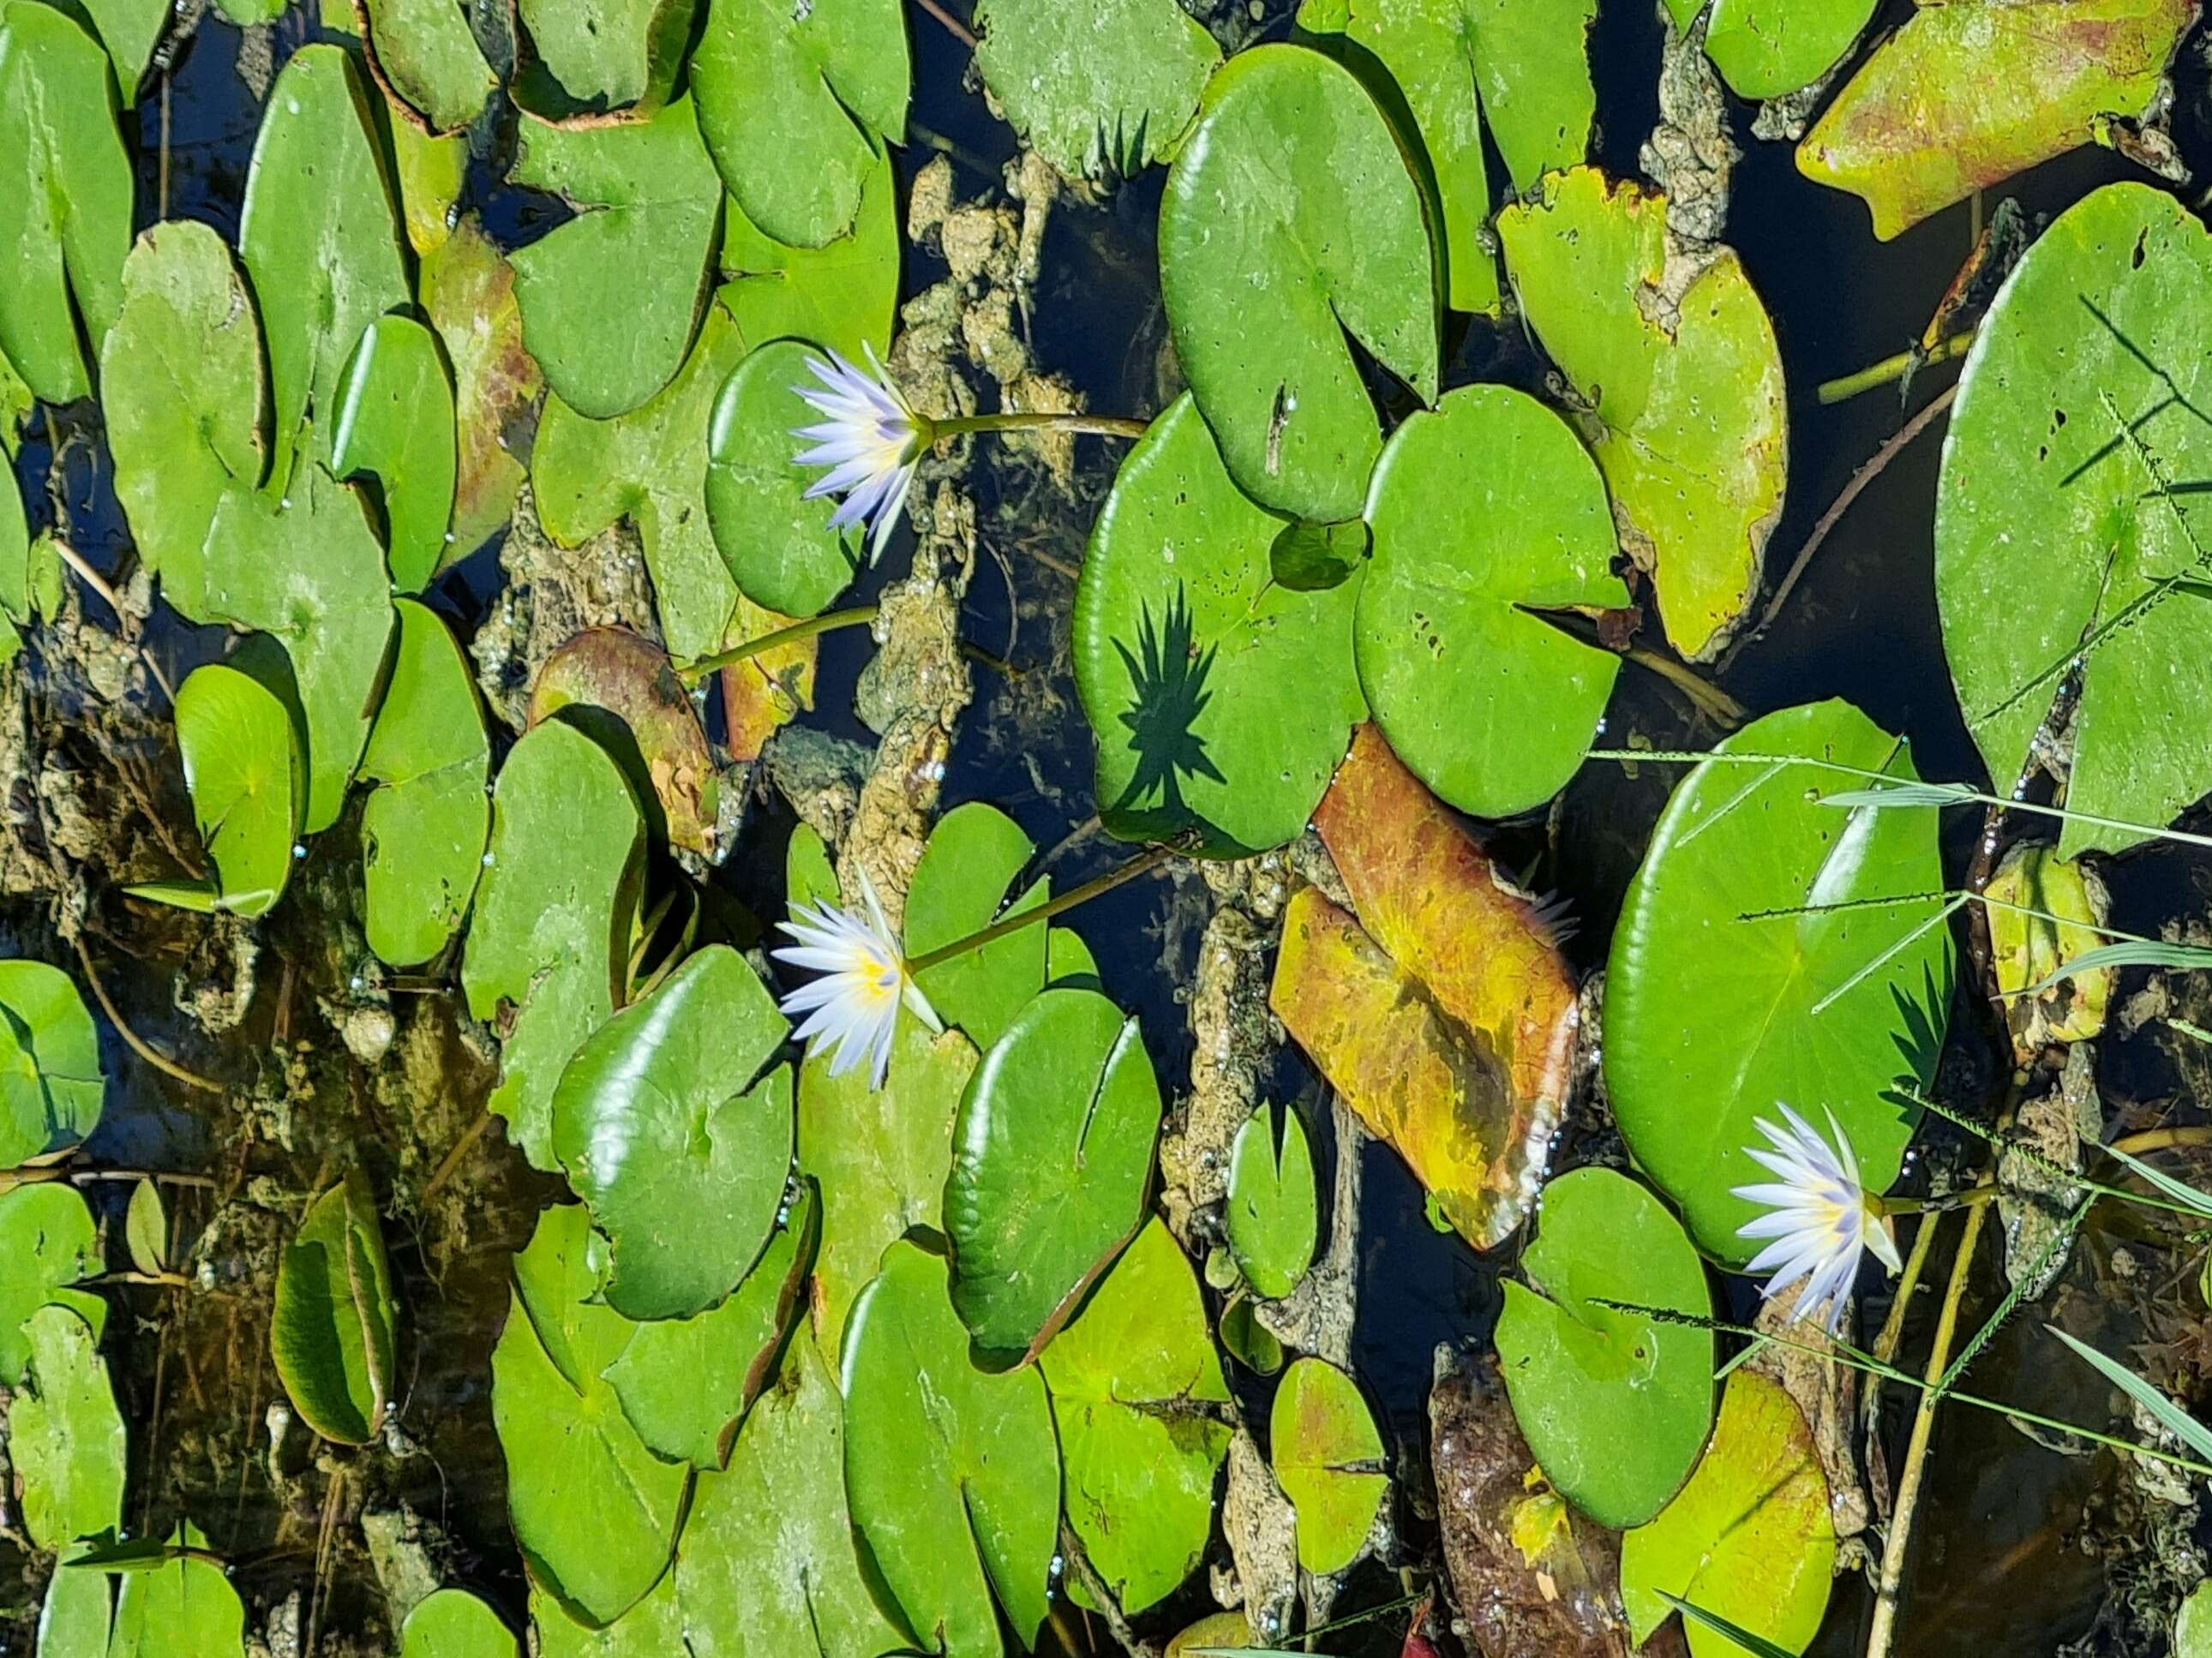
x,y
1080,1570
132,1039
1850,492
2159,1140
958,30
451,1160
170,1280
1706,697
1898,1544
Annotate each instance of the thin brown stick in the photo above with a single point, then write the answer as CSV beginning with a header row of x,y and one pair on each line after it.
x,y
1872,468
958,30
132,1039
451,1160
1898,1546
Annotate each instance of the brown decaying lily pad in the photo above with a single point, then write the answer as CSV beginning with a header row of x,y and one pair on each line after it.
x,y
765,691
1529,1573
1443,1013
616,672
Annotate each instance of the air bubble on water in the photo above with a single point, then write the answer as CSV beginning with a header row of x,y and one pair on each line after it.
x,y
1600,726
285,505
298,850
487,860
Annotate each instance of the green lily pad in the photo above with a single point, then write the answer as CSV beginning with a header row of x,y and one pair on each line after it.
x,y
648,206
129,29
321,239
306,569
557,891
250,14
1711,1018
595,1512
454,1623
15,406
333,1330
780,547
65,197
1275,1206
1614,1404
621,691
606,54
677,1137
650,466
1263,281
1749,1537
468,294
52,1090
422,52
1329,1460
1965,95
953,1474
1099,87
843,294
1526,66
30,574
653,1628
47,1242
2060,539
1051,1155
796,104
1248,1341
180,387
1771,48
65,1437
247,780
2192,1625
1132,1381
431,171
686,1383
146,1227
185,1608
423,831
1221,698
1688,414
395,422
769,1565
1482,510
960,888
881,1158
75,1617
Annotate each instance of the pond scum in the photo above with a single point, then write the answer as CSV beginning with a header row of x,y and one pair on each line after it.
x,y
588,589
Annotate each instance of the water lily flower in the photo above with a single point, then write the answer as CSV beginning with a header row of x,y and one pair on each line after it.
x,y
1821,1218
856,1002
869,438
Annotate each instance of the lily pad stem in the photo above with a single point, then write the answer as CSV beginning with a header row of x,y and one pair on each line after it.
x,y
2159,1140
1149,858
1103,426
828,623
1898,1545
132,1039
1893,368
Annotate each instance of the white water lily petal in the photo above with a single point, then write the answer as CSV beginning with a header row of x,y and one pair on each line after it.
x,y
855,1004
1821,1221
869,440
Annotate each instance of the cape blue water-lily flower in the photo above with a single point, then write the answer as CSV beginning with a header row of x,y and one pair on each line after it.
x,y
865,979
870,440
1821,1218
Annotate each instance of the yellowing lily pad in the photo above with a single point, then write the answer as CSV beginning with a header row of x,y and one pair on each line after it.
x,y
1967,93
1676,362
1443,1012
1748,1538
1329,1457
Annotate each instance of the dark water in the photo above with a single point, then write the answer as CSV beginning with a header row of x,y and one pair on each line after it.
x,y
1861,625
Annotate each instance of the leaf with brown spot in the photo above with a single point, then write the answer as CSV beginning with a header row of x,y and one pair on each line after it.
x,y
765,691
622,690
1447,1020
1965,95
468,293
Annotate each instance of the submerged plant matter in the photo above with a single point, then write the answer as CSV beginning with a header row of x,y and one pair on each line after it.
x,y
581,613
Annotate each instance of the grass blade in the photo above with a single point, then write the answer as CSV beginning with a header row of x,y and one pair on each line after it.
x,y
1758,1645
2191,1432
